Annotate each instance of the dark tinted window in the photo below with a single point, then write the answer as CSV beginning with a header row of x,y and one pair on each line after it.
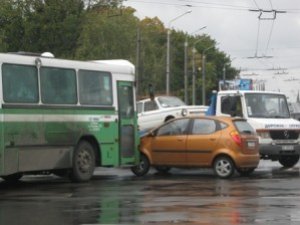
x,y
95,88
125,94
58,86
20,84
244,127
231,105
176,127
204,126
150,105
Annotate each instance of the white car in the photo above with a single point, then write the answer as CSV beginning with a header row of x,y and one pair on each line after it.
x,y
152,113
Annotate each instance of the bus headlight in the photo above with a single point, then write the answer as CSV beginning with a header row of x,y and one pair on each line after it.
x,y
184,112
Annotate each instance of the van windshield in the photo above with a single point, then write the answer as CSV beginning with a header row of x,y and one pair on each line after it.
x,y
263,105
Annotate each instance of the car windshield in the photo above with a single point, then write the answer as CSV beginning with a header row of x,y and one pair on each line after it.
x,y
263,105
168,101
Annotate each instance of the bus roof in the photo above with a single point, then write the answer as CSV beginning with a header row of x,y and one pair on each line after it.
x,y
115,66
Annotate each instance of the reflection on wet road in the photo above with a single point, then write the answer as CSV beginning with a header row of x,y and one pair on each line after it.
x,y
270,196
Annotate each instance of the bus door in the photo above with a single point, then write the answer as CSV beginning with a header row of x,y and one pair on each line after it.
x,y
127,123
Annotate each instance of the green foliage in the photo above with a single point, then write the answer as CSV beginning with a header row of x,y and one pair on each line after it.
x,y
104,29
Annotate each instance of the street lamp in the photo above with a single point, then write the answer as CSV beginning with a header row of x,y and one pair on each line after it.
x,y
186,67
203,72
168,51
224,72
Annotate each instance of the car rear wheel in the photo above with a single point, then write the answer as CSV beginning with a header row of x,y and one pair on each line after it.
x,y
289,160
245,171
142,168
223,167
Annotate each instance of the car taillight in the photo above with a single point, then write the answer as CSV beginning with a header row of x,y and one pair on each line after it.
x,y
236,137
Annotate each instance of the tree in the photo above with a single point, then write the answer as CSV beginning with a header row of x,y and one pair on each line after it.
x,y
104,37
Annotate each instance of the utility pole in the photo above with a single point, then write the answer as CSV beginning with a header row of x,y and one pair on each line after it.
x,y
137,63
186,71
168,52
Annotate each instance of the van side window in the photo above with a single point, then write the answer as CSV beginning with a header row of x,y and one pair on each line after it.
x,y
231,105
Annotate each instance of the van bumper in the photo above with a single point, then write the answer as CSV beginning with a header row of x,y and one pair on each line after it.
x,y
272,151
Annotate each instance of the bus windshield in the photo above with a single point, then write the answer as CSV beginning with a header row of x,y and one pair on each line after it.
x,y
266,105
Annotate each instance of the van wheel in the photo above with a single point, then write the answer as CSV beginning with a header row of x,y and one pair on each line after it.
x,y
83,162
223,167
142,168
245,171
13,177
288,160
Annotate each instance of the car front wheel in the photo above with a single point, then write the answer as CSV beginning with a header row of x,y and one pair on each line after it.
x,y
223,167
142,168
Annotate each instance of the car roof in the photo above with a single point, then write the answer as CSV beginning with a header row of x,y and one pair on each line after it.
x,y
220,118
158,96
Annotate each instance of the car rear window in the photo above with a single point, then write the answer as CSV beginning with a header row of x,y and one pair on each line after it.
x,y
243,127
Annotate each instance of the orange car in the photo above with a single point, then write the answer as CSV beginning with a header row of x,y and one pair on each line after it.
x,y
223,143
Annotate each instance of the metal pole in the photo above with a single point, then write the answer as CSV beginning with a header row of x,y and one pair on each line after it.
x,y
186,71
203,72
137,65
194,78
168,52
203,79
168,64
224,77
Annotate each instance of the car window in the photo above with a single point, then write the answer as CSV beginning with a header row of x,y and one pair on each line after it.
x,y
176,127
150,105
223,125
170,101
139,107
204,126
244,127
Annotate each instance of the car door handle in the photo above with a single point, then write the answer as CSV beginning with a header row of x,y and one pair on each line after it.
x,y
180,139
212,139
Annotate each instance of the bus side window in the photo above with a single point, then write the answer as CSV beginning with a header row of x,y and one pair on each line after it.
x,y
95,88
20,83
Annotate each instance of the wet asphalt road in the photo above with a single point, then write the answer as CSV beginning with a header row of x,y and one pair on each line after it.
x,y
115,196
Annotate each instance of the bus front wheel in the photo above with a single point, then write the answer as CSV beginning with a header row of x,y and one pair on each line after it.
x,y
83,162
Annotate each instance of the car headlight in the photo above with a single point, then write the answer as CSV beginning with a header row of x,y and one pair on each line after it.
x,y
184,112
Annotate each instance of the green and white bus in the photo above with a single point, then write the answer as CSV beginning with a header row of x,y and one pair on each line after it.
x,y
65,117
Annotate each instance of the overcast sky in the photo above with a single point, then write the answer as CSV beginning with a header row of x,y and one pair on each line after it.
x,y
239,32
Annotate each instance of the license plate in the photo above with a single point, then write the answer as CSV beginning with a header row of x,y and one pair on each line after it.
x,y
287,147
251,144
